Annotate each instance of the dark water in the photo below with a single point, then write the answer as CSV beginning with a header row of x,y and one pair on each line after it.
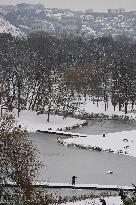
x,y
89,166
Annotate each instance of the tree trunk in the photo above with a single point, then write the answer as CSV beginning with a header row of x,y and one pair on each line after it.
x,y
97,102
49,110
132,104
114,105
33,93
35,100
126,104
93,100
119,105
105,106
19,93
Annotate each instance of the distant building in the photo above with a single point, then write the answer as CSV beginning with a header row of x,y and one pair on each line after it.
x,y
78,12
116,11
133,13
40,26
88,21
89,11
120,11
56,10
71,24
25,9
39,6
112,11
28,8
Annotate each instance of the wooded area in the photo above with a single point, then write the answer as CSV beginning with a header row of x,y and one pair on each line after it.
x,y
47,74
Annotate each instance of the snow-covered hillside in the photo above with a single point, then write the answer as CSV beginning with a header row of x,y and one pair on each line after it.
x,y
6,27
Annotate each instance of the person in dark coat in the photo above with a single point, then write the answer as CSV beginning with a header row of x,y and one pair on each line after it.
x,y
73,180
103,201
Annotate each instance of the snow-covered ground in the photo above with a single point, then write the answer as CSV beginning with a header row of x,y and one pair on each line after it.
x,y
7,27
109,201
33,122
119,142
90,107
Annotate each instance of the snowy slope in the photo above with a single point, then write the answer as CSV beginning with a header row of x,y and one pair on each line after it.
x,y
6,27
109,201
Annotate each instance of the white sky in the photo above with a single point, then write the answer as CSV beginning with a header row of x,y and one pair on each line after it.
x,y
97,5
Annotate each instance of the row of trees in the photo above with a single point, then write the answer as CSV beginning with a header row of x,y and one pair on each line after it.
x,y
44,73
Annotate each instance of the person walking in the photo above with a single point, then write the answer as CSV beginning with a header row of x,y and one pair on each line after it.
x,y
73,180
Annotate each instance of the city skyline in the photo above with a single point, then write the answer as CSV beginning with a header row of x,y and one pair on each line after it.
x,y
97,5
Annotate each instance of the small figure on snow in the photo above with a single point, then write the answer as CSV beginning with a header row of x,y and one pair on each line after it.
x,y
103,135
103,201
73,180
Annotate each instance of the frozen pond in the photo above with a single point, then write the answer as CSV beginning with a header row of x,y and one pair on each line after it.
x,y
104,126
89,166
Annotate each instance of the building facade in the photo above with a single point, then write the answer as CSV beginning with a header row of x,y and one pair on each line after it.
x,y
89,11
28,8
116,11
40,26
71,25
112,11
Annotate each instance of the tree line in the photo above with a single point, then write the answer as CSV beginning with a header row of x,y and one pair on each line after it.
x,y
47,74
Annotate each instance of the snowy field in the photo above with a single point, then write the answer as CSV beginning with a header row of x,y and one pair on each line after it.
x,y
90,107
119,142
33,122
109,201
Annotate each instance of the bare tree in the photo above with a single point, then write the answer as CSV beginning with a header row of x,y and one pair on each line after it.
x,y
19,161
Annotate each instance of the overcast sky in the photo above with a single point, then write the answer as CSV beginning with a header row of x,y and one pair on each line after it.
x,y
97,5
